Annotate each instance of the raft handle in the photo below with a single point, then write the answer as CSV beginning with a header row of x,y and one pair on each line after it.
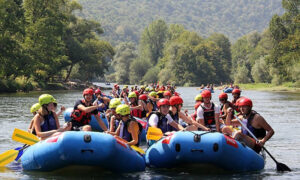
x,y
87,150
197,150
87,138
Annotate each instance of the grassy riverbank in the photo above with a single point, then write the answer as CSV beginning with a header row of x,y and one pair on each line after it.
x,y
289,87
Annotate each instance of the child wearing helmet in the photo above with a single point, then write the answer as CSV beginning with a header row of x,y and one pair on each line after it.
x,y
176,103
46,122
101,101
254,122
135,104
111,115
83,110
34,108
129,129
208,112
151,102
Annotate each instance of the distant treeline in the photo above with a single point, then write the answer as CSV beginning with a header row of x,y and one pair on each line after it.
x,y
172,54
42,42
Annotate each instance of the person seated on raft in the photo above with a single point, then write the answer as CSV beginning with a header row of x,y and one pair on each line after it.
x,y
254,122
46,122
208,112
162,119
225,104
129,129
101,101
176,114
111,115
167,95
83,110
151,102
135,104
34,108
143,100
236,94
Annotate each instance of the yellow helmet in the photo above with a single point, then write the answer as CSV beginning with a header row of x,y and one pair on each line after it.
x,y
132,95
35,107
123,109
153,94
46,99
114,103
198,97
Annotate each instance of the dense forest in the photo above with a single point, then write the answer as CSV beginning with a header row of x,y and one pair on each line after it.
x,y
125,20
43,44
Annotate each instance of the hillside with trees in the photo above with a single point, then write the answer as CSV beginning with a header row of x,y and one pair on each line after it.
x,y
125,20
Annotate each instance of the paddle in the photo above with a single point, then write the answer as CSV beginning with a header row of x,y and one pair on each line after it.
x,y
10,155
154,133
280,166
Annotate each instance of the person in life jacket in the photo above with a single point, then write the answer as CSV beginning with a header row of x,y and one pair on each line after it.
x,y
143,100
208,113
167,95
129,129
142,90
176,103
46,122
136,107
151,102
198,98
116,92
225,104
83,110
236,94
34,108
101,101
111,115
254,122
162,119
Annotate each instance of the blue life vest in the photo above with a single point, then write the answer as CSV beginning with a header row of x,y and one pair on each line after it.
x,y
49,123
162,122
124,134
258,133
100,109
175,117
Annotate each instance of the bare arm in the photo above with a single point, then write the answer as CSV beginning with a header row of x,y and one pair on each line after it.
x,y
190,121
133,129
86,109
217,116
176,125
263,124
101,123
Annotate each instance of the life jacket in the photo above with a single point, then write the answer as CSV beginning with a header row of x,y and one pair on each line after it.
x,y
100,109
80,118
135,112
124,134
209,116
155,108
194,116
258,133
49,123
162,122
175,117
234,105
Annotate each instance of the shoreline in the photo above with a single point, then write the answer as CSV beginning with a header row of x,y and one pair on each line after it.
x,y
285,87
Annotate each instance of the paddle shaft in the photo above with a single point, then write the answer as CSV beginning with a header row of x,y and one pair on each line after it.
x,y
245,127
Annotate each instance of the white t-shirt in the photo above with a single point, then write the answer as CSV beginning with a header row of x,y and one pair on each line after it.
x,y
153,120
200,111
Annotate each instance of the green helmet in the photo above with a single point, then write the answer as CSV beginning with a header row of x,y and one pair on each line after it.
x,y
46,99
142,87
126,86
147,89
198,97
153,94
35,107
132,95
114,103
123,109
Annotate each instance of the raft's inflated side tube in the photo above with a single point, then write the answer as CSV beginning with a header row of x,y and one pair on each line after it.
x,y
216,149
94,123
82,148
228,90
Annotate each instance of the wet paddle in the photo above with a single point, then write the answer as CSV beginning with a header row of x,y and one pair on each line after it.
x,y
10,155
24,137
280,166
154,134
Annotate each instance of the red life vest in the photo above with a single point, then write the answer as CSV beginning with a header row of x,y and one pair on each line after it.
x,y
81,117
136,112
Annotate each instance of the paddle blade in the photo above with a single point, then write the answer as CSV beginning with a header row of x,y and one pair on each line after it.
x,y
8,157
24,137
154,134
137,149
282,167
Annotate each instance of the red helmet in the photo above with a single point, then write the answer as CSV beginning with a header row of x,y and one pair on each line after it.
x,y
162,102
174,100
137,93
176,94
244,102
206,94
116,86
143,97
223,96
167,93
98,91
236,91
88,91
162,88
197,105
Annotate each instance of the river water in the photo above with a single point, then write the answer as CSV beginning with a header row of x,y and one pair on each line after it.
x,y
280,109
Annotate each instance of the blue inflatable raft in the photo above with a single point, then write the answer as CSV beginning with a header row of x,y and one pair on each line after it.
x,y
227,90
84,149
204,149
96,127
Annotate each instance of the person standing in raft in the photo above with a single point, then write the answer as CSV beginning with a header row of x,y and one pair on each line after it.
x,y
162,119
254,122
129,129
46,122
208,113
83,110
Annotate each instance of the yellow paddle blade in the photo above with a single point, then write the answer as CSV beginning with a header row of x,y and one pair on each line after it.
x,y
24,137
154,134
137,149
8,156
